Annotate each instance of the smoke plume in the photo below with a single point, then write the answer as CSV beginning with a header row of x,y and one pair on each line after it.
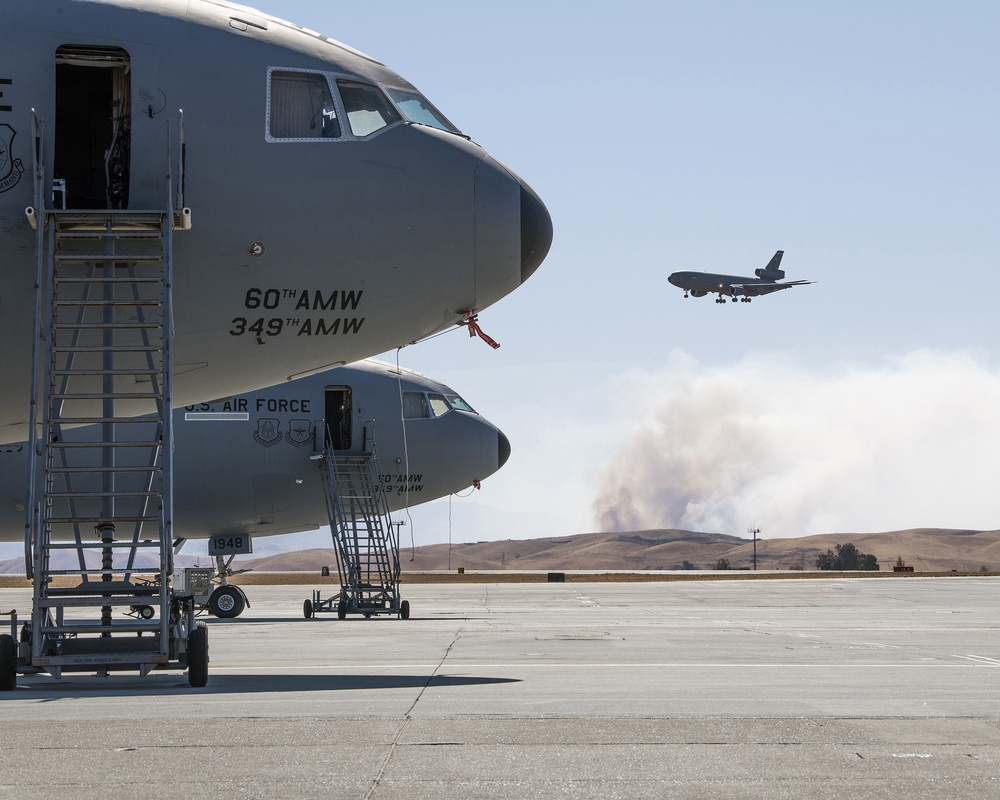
x,y
912,442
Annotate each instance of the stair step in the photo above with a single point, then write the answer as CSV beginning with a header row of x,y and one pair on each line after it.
x,y
102,258
99,545
94,519
117,627
104,587
102,445
106,326
97,348
99,280
121,302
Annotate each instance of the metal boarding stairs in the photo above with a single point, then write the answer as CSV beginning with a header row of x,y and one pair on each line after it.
x,y
365,543
98,538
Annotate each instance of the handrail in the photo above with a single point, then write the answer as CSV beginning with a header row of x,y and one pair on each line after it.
x,y
38,135
182,158
166,394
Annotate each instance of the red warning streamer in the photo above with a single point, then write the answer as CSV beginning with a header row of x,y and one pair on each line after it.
x,y
474,329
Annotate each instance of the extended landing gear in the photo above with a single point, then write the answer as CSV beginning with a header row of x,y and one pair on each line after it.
x,y
227,602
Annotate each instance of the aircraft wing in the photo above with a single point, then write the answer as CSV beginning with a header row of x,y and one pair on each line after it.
x,y
783,285
758,289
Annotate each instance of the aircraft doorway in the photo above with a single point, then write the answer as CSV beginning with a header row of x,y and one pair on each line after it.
x,y
338,417
93,139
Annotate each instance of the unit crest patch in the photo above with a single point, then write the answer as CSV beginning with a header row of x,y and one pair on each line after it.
x,y
11,168
299,432
268,432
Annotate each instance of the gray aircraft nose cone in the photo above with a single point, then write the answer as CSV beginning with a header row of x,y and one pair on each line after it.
x,y
536,231
503,449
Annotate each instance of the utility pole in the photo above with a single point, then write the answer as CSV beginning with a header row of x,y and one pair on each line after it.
x,y
754,531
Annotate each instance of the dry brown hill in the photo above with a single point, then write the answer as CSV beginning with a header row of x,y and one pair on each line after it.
x,y
925,549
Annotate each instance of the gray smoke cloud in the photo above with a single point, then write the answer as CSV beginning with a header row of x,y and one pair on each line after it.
x,y
913,441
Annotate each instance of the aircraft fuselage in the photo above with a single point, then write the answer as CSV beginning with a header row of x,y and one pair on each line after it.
x,y
701,283
334,217
249,465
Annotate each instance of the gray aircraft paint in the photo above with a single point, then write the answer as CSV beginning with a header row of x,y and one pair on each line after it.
x,y
245,465
368,241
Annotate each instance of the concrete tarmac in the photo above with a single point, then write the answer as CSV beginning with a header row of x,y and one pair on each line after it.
x,y
741,689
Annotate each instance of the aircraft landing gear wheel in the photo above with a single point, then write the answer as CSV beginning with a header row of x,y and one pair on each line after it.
x,y
307,609
226,602
197,646
8,663
404,609
342,610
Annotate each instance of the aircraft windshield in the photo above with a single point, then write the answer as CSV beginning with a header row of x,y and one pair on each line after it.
x,y
417,108
368,110
439,406
460,404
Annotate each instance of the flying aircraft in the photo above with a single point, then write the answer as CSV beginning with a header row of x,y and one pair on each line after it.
x,y
334,213
249,466
737,287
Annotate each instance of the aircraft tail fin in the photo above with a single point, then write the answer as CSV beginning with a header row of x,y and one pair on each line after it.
x,y
773,271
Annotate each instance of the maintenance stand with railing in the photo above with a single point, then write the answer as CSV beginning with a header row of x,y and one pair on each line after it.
x,y
364,540
98,546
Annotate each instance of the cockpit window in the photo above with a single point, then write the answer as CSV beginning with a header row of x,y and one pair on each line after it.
x,y
367,109
457,402
300,106
439,406
417,108
415,406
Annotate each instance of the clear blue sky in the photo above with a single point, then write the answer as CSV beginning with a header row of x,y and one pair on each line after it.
x,y
860,138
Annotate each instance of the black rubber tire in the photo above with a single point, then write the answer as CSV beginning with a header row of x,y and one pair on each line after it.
x,y
404,609
8,662
342,610
307,609
226,602
197,646
146,612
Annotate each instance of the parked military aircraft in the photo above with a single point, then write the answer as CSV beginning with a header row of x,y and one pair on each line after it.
x,y
335,212
737,287
248,466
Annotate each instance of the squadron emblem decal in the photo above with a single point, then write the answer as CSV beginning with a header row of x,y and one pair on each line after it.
x,y
11,168
299,432
268,432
